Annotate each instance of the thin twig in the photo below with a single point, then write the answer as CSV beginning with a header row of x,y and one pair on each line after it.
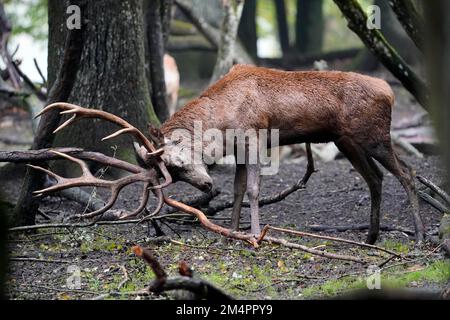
x,y
444,195
125,279
44,81
38,260
433,202
312,235
86,225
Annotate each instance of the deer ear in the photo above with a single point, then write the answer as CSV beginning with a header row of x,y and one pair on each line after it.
x,y
156,135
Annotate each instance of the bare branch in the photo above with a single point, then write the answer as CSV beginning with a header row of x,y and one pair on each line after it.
x,y
374,40
440,192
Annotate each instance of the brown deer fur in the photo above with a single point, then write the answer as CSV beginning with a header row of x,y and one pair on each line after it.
x,y
350,109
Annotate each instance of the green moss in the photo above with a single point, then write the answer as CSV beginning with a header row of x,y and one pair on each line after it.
x,y
436,272
187,93
181,28
396,246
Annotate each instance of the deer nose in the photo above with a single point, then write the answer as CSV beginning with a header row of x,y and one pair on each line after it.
x,y
207,187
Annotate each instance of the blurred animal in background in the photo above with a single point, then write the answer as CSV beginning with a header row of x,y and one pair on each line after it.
x,y
172,79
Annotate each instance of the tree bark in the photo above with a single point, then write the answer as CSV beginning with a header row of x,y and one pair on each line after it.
x,y
27,206
283,30
309,26
166,18
437,51
247,32
212,34
155,53
3,247
227,46
112,76
378,45
410,19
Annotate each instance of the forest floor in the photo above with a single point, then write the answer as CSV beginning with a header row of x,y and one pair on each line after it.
x,y
335,196
43,261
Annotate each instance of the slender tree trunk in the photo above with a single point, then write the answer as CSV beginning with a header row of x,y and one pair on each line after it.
x,y
166,18
3,247
227,46
410,19
283,29
155,55
309,26
393,33
27,206
437,49
247,31
112,76
374,40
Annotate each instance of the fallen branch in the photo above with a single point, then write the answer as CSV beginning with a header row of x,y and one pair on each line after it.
x,y
444,195
18,259
68,225
211,210
358,227
433,202
201,288
207,224
317,236
406,146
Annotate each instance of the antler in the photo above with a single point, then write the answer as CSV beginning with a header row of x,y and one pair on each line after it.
x,y
80,112
148,177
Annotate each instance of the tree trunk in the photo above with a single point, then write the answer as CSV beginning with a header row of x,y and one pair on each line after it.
x,y
374,40
63,83
112,76
309,26
227,46
283,29
247,32
155,55
410,19
166,18
438,56
3,247
393,32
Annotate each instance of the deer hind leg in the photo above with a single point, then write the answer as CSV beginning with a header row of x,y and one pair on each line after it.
x,y
240,182
385,155
365,165
253,185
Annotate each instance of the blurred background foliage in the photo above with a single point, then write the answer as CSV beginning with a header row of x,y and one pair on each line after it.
x,y
29,17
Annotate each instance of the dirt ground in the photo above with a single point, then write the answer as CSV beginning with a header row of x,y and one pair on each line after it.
x,y
43,262
335,195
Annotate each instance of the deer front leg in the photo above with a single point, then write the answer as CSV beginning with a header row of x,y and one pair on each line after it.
x,y
240,182
253,184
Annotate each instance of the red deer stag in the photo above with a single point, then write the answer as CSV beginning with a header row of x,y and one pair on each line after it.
x,y
352,110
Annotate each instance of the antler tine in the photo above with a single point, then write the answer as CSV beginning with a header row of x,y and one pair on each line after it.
x,y
167,177
143,203
87,179
84,167
50,173
66,123
117,133
81,112
112,200
159,194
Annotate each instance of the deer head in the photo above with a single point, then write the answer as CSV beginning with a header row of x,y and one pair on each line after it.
x,y
177,154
